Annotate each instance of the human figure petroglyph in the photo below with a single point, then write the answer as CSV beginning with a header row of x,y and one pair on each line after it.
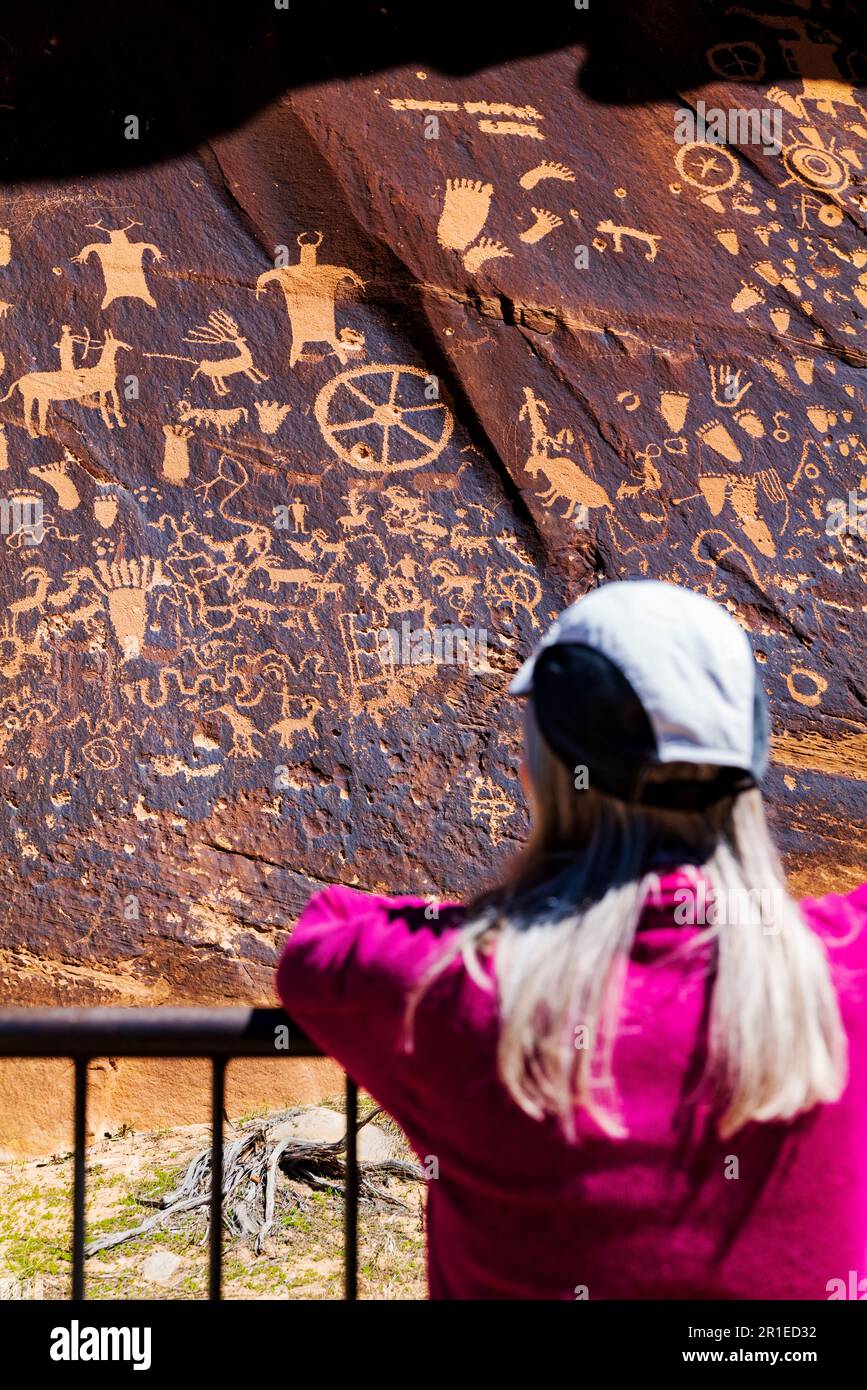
x,y
567,482
651,478
122,263
490,805
66,348
809,50
95,387
310,290
709,168
356,517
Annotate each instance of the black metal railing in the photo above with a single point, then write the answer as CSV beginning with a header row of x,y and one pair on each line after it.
x,y
218,1034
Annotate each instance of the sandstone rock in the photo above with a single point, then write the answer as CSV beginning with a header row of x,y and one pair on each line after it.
x,y
17,1289
161,1267
326,1126
438,345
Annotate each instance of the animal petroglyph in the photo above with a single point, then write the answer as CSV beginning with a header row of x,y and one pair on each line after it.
x,y
410,516
617,233
454,585
223,420
310,290
379,418
122,263
222,328
567,481
358,514
94,386
290,725
244,731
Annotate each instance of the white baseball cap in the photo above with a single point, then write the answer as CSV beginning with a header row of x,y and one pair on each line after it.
x,y
640,673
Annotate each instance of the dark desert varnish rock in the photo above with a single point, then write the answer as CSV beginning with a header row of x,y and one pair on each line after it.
x,y
415,347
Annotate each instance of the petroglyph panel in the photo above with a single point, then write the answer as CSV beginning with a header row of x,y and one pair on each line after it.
x,y
407,348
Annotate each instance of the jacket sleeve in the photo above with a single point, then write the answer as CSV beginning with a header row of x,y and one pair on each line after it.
x,y
346,975
841,918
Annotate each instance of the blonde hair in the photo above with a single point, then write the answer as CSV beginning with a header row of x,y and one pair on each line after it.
x,y
561,927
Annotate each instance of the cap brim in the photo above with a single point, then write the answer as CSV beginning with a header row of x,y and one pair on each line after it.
x,y
522,683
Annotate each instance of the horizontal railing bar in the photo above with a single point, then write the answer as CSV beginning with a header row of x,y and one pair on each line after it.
x,y
156,1032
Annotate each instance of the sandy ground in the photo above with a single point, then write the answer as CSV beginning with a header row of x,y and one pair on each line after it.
x,y
303,1258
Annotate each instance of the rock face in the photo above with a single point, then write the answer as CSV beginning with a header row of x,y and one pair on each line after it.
x,y
413,351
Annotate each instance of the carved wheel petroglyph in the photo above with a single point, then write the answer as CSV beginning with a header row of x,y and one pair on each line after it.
x,y
708,167
816,167
743,61
380,420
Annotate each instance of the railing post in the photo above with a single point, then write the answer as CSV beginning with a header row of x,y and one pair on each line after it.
x,y
78,1194
218,1099
350,1258
216,1034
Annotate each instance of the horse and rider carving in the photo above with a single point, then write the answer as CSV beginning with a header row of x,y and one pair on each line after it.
x,y
95,386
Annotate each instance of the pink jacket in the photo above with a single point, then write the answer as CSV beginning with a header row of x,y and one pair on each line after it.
x,y
514,1210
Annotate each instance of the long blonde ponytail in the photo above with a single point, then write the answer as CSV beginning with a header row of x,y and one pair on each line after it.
x,y
561,929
